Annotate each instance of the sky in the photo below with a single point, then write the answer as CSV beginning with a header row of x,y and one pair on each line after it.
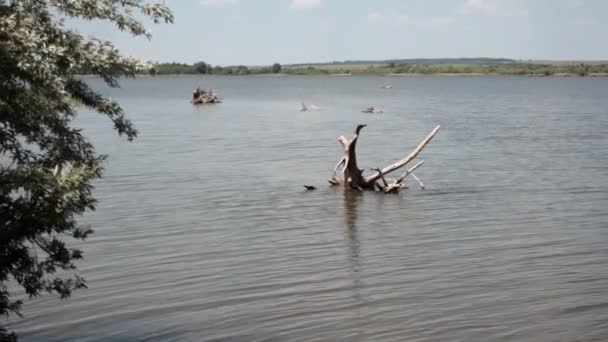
x,y
262,32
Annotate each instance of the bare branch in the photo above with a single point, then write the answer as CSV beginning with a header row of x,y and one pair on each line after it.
x,y
418,180
371,179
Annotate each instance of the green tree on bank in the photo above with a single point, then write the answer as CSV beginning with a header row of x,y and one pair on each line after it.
x,y
203,68
276,68
46,165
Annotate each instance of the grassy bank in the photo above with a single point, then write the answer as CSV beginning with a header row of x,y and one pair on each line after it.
x,y
439,68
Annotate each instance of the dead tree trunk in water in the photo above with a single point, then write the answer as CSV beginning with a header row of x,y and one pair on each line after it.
x,y
353,177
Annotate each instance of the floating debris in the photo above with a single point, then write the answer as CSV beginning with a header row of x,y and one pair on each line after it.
x,y
304,107
205,96
372,110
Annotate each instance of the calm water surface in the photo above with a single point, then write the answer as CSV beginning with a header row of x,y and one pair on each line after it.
x,y
204,232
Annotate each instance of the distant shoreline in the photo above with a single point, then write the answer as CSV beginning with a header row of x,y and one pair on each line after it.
x,y
559,75
404,67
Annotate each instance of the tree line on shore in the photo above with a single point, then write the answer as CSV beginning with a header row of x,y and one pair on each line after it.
x,y
208,69
517,68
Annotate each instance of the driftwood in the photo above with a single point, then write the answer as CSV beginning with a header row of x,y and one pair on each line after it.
x,y
372,110
353,177
204,96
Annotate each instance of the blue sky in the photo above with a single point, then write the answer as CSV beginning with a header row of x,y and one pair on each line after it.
x,y
257,32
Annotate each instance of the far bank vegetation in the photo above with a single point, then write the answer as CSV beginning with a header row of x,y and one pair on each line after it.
x,y
481,66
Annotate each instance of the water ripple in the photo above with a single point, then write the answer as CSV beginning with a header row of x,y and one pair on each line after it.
x,y
204,232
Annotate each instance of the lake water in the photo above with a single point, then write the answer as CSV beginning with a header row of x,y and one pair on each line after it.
x,y
204,232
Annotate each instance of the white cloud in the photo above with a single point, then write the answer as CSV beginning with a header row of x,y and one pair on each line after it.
x,y
508,8
484,6
391,19
374,16
401,20
575,4
218,2
304,4
435,21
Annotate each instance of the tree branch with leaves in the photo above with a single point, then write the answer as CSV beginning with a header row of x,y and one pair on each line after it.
x,y
46,165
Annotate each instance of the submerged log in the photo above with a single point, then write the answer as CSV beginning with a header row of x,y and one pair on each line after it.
x,y
353,177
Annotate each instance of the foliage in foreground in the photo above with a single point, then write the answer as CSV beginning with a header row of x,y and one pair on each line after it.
x,y
46,165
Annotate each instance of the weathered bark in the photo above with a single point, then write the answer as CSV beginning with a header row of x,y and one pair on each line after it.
x,y
381,187
353,177
409,172
396,185
352,174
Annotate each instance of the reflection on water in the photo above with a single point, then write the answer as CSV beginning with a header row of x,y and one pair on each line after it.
x,y
353,245
204,233
351,212
352,199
